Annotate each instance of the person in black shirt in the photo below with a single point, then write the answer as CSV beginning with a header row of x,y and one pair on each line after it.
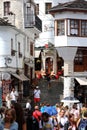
x,y
32,123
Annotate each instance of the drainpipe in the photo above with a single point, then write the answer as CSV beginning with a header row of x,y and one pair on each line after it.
x,y
0,93
16,50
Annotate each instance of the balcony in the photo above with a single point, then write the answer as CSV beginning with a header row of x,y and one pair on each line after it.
x,y
32,21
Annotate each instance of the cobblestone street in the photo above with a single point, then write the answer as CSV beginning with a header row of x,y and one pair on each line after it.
x,y
53,94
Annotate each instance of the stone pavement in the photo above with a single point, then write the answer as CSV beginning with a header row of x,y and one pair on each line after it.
x,y
54,94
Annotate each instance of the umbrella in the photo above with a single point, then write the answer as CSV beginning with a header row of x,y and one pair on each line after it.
x,y
70,100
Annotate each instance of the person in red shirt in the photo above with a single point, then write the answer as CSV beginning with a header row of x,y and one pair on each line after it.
x,y
37,114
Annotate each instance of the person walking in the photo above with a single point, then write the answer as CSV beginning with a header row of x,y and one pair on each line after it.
x,y
20,118
47,122
14,95
74,110
70,124
62,119
32,122
36,113
28,105
48,80
82,122
9,122
8,100
37,94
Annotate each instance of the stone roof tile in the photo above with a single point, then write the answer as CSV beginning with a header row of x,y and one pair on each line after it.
x,y
76,4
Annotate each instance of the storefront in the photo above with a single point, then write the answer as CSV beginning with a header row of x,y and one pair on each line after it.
x,y
21,84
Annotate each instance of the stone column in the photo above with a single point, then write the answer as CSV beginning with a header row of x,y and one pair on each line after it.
x,y
68,54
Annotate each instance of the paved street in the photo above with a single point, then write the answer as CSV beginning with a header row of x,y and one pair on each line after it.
x,y
54,93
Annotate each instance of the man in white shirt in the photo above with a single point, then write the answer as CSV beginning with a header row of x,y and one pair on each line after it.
x,y
14,95
37,94
28,105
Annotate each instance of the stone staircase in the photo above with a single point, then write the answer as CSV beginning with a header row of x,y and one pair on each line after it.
x,y
53,94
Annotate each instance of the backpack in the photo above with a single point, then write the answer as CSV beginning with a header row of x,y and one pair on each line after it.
x,y
82,124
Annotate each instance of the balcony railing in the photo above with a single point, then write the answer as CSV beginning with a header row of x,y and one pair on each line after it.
x,y
33,21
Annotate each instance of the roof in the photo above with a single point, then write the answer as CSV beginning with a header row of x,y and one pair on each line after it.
x,y
4,22
80,5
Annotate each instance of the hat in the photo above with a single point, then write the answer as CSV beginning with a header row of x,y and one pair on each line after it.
x,y
37,86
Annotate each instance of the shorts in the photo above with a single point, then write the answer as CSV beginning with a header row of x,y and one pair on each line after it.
x,y
36,100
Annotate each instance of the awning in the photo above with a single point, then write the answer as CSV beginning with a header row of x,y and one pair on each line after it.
x,y
82,81
21,77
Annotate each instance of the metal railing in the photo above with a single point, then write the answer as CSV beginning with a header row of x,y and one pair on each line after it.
x,y
32,20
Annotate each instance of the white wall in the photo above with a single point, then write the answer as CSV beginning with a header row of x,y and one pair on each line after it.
x,y
69,14
70,41
6,33
47,34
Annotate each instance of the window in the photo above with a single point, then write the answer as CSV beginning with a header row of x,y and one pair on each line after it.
x,y
20,54
11,44
60,27
6,8
12,51
78,58
47,7
18,46
74,27
37,9
83,28
31,48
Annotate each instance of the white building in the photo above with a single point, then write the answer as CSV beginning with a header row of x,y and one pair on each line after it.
x,y
71,43
47,35
21,14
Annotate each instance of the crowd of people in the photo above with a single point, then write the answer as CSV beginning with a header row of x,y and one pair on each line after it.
x,y
44,116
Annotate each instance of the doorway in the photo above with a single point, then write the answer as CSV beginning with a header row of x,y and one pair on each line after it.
x,y
49,65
